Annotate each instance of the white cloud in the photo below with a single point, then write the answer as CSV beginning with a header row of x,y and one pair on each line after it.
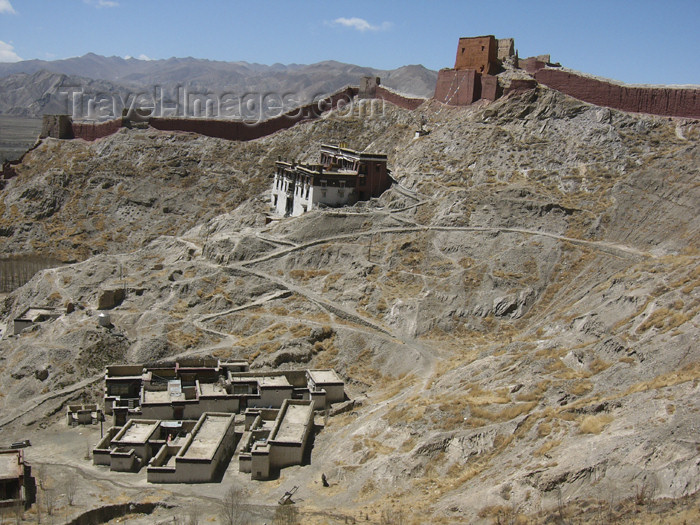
x,y
7,53
100,3
360,24
6,7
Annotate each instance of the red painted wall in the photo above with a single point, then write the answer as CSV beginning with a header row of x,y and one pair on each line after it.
x,y
457,88
672,102
489,88
479,53
531,64
398,100
520,86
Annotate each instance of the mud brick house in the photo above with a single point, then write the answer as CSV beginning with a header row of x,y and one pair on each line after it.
x,y
179,419
17,486
175,451
342,177
32,316
272,444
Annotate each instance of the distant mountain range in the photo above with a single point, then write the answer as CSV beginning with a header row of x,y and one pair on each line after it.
x,y
33,87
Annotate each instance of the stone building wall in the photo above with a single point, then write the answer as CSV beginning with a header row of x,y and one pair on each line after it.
x,y
479,53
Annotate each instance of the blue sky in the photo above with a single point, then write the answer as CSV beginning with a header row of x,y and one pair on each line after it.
x,y
640,41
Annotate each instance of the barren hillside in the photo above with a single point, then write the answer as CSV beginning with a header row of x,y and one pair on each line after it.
x,y
517,318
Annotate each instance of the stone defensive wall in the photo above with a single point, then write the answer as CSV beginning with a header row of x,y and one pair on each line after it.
x,y
224,129
95,130
243,131
62,127
665,101
398,99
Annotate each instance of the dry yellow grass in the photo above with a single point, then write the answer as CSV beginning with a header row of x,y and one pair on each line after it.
x,y
306,275
689,372
506,414
546,447
535,394
580,387
594,424
544,429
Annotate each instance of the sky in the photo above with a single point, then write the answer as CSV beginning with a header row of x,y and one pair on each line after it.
x,y
634,41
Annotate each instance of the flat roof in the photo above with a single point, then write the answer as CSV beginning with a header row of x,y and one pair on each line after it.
x,y
158,396
206,440
294,422
31,314
263,381
331,148
212,389
321,377
273,381
138,431
10,466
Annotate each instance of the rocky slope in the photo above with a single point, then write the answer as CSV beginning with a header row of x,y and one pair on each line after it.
x,y
517,318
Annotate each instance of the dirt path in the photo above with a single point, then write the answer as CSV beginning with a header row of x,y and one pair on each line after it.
x,y
618,250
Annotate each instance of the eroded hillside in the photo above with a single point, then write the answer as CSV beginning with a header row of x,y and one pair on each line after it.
x,y
516,318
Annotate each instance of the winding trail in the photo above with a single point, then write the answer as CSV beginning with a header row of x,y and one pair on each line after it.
x,y
618,250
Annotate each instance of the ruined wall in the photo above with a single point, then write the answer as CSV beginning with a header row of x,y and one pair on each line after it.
x,y
479,53
368,87
93,130
506,48
673,102
457,88
56,126
398,100
531,64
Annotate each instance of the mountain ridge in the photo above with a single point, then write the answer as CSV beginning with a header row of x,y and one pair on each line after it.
x,y
93,72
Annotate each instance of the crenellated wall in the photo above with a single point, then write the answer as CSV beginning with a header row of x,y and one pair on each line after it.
x,y
672,102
